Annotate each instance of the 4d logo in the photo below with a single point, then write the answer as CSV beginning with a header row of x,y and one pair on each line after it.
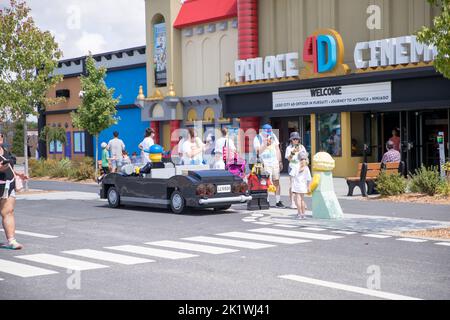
x,y
323,55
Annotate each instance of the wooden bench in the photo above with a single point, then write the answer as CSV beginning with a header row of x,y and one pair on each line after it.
x,y
389,168
358,181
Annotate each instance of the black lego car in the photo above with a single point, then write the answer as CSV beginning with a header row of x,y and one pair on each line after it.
x,y
176,187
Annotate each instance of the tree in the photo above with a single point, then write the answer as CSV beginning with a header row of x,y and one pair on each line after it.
x,y
17,147
28,57
50,134
98,108
439,36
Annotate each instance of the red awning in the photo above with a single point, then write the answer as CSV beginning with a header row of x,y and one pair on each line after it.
x,y
195,12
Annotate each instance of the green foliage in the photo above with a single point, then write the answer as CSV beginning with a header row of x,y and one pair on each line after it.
x,y
391,184
49,134
425,180
439,35
17,147
98,108
65,168
444,188
24,48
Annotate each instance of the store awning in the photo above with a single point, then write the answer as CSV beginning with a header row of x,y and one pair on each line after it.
x,y
195,12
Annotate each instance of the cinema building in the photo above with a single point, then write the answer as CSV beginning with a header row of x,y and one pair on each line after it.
x,y
315,67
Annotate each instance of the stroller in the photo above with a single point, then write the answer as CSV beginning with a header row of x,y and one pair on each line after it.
x,y
235,166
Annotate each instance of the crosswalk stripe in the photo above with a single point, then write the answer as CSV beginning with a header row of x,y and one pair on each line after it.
x,y
443,244
297,234
33,234
378,236
230,242
192,247
285,226
153,252
411,240
23,270
313,229
253,236
344,232
344,287
57,261
262,223
108,256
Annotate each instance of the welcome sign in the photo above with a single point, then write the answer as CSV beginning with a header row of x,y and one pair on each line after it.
x,y
372,93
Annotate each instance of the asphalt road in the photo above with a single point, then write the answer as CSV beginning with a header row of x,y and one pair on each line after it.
x,y
348,263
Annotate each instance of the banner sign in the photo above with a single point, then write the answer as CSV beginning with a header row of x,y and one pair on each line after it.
x,y
372,93
160,55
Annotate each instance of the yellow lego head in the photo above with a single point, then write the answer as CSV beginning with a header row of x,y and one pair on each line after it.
x,y
322,161
156,152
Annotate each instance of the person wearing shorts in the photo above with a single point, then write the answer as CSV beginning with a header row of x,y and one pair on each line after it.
x,y
8,196
266,144
116,148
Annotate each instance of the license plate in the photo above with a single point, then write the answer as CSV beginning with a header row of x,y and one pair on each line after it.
x,y
224,188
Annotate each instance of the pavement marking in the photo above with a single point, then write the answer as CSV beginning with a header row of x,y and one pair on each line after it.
x,y
261,237
378,236
262,223
313,229
344,232
231,243
191,247
411,240
23,270
443,244
298,234
153,252
107,256
285,226
32,234
257,215
66,263
339,286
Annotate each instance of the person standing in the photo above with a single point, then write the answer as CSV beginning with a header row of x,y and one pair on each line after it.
x,y
292,151
8,196
266,144
301,183
116,147
395,139
225,145
146,144
192,149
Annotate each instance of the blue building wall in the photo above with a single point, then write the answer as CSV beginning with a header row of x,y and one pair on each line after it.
x,y
130,127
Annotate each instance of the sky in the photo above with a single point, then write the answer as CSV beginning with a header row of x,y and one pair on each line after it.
x,y
80,26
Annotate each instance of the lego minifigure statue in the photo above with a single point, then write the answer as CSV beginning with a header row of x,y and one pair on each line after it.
x,y
259,185
325,204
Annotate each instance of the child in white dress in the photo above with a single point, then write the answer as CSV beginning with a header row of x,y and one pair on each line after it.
x,y
301,179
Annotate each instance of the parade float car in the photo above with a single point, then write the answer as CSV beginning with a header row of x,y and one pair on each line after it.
x,y
178,187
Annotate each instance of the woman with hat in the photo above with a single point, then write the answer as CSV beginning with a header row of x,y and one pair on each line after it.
x,y
292,152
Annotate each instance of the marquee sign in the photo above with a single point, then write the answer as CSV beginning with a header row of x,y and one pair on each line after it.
x,y
394,51
372,93
323,55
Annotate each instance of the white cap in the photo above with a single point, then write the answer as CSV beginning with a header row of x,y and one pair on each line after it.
x,y
104,145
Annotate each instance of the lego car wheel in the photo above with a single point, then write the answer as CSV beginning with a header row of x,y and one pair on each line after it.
x,y
177,202
113,197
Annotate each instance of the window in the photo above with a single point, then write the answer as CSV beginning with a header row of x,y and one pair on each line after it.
x,y
361,133
79,142
329,133
159,51
55,147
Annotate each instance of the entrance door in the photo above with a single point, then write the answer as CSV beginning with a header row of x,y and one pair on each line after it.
x,y
286,126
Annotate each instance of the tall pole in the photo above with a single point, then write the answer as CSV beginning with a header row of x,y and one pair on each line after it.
x,y
25,150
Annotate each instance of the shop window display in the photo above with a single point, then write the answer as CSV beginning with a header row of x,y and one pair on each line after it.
x,y
329,133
